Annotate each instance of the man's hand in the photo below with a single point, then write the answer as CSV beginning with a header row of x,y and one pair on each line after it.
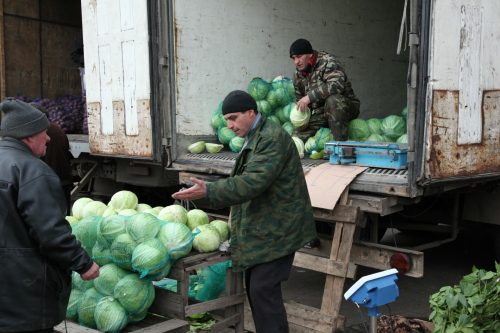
x,y
198,191
303,103
92,273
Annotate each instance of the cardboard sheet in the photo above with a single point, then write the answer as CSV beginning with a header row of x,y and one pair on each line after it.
x,y
326,183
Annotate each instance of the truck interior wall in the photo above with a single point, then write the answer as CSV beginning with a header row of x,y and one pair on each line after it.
x,y
222,45
38,37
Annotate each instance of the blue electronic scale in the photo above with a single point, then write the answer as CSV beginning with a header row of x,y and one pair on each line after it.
x,y
368,153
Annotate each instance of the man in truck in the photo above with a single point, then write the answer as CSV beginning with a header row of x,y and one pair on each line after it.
x,y
271,213
37,250
321,85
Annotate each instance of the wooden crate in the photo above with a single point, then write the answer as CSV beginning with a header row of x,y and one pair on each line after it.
x,y
229,308
150,324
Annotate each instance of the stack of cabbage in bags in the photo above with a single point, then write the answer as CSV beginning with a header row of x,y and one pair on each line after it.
x,y
390,129
134,244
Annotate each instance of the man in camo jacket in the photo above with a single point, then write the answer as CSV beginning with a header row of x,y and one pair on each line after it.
x,y
321,85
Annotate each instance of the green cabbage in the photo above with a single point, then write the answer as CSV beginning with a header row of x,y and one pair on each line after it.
x,y
287,109
258,88
78,207
177,238
173,213
142,207
236,144
122,251
206,239
300,146
218,120
109,211
88,303
358,130
134,294
110,316
197,147
137,317
213,147
321,137
223,228
310,145
403,139
264,107
109,275
72,220
278,112
127,212
124,200
196,217
375,125
298,118
280,82
271,99
142,226
94,208
112,227
74,302
289,127
225,135
404,112
79,283
282,97
275,119
151,211
375,137
393,127
86,231
149,257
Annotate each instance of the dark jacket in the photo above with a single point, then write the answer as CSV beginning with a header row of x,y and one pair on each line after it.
x,y
58,155
37,250
77,51
271,213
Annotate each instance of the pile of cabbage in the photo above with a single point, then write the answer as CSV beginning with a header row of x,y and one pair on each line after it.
x,y
68,112
390,129
126,238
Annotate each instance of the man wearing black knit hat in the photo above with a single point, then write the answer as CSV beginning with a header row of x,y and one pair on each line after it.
x,y
37,250
321,85
271,214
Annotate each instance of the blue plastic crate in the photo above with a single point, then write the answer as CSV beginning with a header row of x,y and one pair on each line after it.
x,y
368,153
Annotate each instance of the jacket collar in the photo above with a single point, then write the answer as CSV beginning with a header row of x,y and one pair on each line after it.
x,y
15,143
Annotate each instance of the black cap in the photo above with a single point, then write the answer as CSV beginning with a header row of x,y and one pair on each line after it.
x,y
238,101
21,120
301,46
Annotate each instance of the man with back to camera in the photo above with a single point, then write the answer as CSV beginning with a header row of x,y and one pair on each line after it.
x,y
37,250
321,85
271,213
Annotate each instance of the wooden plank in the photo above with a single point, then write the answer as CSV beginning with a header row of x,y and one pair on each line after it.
x,y
239,327
230,290
319,264
341,213
170,326
167,303
69,326
225,323
215,304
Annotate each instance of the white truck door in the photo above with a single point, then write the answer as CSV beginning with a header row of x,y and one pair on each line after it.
x,y
463,124
116,44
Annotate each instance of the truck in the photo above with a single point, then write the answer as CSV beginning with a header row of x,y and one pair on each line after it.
x,y
156,72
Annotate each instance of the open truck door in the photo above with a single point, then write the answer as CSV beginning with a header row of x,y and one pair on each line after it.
x,y
117,66
463,99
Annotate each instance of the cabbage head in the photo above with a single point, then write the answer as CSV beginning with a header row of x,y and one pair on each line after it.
x,y
223,228
287,110
196,217
404,112
280,82
127,212
300,146
109,211
74,302
225,135
264,107
72,220
173,213
109,275
110,315
197,147
149,257
124,200
206,239
402,139
310,145
112,227
142,226
258,88
77,208
142,207
86,231
375,137
278,112
298,118
375,126
282,97
289,127
275,119
218,120
236,144
94,208
322,136
122,250
177,238
101,253
78,283
271,99
134,294
88,303
213,147
137,317
358,130
393,127
151,211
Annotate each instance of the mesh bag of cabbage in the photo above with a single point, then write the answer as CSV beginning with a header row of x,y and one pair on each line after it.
x,y
140,243
212,281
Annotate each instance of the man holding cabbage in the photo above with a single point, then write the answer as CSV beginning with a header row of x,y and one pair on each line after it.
x,y
37,250
271,214
321,86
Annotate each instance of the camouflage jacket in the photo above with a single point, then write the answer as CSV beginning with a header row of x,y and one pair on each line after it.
x,y
271,214
327,78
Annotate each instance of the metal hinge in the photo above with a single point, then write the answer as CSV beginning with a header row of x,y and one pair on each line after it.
x,y
165,143
414,39
163,61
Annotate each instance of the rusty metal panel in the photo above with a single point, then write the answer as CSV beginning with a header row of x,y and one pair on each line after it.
x,y
446,158
119,143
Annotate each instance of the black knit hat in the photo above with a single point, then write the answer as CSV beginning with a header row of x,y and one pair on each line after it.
x,y
238,101
300,47
21,120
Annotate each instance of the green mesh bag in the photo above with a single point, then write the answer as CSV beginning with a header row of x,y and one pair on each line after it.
x,y
88,303
177,238
225,135
264,107
278,112
287,109
149,257
142,225
86,231
109,275
289,127
236,144
74,302
134,294
110,316
122,250
258,88
112,226
80,284
212,281
137,317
